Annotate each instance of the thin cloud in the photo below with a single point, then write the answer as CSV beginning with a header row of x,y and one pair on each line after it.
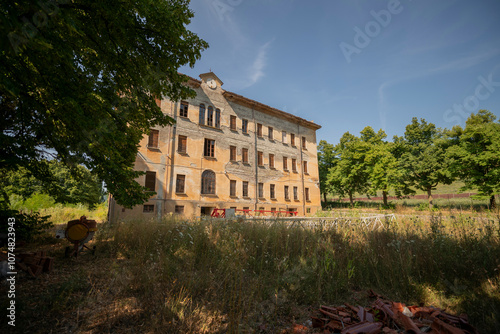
x,y
455,65
460,64
257,69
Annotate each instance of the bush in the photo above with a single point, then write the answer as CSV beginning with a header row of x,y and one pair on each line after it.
x,y
27,226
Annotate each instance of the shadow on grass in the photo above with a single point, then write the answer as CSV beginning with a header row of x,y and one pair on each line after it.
x,y
222,276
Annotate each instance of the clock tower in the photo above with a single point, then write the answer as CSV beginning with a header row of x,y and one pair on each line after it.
x,y
211,80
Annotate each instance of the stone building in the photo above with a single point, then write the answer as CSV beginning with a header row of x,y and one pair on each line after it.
x,y
227,151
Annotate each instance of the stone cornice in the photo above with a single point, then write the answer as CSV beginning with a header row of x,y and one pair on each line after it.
x,y
269,110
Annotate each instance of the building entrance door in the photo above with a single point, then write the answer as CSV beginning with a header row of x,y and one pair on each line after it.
x,y
206,210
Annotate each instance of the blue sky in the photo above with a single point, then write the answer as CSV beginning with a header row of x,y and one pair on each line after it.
x,y
350,64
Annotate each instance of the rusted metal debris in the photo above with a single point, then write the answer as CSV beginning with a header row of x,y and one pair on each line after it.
x,y
388,317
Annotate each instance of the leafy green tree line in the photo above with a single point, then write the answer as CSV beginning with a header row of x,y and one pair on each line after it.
x,y
422,158
68,186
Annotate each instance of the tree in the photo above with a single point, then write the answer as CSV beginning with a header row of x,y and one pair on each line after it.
x,y
424,160
349,175
79,81
384,173
80,187
475,158
326,160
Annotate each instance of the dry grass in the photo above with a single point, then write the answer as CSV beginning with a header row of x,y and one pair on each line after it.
x,y
221,276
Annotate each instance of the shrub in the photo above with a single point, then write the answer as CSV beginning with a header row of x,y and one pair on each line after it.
x,y
27,226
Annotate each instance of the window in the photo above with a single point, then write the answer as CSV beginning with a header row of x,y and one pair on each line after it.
x,y
206,210
307,194
202,114
179,209
260,158
292,139
150,181
210,116
261,190
283,137
245,189
182,144
179,184
244,126
208,182
304,143
308,210
232,188
270,133
244,155
305,167
217,118
285,163
153,138
232,123
294,165
183,112
148,208
273,210
271,160
296,193
259,130
209,149
287,197
272,191
232,153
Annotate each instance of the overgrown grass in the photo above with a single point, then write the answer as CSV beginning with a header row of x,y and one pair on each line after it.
x,y
59,213
245,276
410,204
236,276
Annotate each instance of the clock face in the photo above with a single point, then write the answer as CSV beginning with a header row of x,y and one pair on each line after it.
x,y
212,83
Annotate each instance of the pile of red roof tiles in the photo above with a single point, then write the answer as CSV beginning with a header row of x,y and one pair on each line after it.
x,y
389,317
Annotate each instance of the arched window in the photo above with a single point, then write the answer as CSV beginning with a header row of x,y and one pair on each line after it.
x,y
208,182
217,118
210,116
202,114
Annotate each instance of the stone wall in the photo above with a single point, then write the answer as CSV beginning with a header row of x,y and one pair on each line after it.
x,y
168,163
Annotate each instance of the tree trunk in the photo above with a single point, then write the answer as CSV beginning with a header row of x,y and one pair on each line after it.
x,y
493,203
429,197
324,196
384,194
351,199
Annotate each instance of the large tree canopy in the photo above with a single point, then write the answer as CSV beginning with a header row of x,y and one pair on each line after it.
x,y
475,157
78,81
350,174
326,159
424,162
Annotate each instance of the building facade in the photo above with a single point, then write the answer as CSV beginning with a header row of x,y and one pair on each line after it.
x,y
226,151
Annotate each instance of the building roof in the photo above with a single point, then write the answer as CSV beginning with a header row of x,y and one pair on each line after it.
x,y
259,106
269,110
211,74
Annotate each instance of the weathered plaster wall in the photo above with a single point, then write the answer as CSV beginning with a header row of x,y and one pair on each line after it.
x,y
168,163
